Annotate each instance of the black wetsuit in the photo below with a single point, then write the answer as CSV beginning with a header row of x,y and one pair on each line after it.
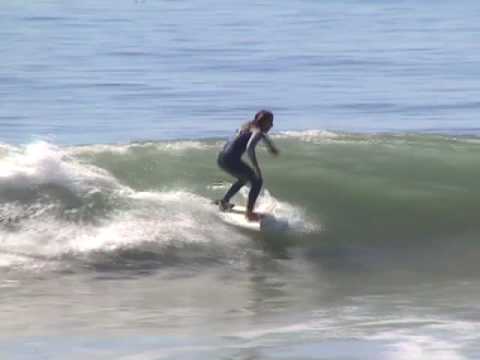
x,y
230,160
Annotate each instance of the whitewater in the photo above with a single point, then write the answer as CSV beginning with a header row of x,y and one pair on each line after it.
x,y
60,201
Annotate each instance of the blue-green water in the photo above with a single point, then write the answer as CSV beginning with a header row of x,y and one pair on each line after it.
x,y
111,116
103,71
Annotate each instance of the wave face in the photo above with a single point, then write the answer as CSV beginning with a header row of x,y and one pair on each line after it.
x,y
149,204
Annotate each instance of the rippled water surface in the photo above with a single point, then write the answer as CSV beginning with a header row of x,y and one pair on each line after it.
x,y
111,116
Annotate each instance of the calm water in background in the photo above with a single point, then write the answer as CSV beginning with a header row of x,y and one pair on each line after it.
x,y
114,252
103,71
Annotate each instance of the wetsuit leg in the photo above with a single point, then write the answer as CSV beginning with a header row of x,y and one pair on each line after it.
x,y
233,190
244,174
256,183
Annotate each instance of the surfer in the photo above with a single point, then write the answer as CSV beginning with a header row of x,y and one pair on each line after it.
x,y
230,160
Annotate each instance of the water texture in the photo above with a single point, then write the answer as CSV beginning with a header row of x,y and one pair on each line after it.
x,y
111,118
109,72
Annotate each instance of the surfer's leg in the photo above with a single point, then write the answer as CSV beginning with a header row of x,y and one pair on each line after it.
x,y
233,168
245,173
256,186
233,190
242,172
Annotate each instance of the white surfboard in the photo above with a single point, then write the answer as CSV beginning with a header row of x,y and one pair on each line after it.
x,y
268,222
236,216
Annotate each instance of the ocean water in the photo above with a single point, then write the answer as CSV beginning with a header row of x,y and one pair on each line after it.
x,y
111,117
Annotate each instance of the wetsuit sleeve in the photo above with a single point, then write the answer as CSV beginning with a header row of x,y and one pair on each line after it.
x,y
252,143
271,147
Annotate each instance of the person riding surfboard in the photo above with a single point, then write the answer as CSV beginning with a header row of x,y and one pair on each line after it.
x,y
230,160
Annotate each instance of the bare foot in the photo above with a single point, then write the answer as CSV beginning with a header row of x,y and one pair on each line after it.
x,y
252,216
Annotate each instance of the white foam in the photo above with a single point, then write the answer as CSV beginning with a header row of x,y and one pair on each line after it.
x,y
8,260
4,149
164,219
328,137
218,186
287,216
30,227
174,147
422,341
98,148
45,164
183,146
308,135
419,347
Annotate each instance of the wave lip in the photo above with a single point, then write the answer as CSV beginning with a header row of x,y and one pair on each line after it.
x,y
45,164
161,146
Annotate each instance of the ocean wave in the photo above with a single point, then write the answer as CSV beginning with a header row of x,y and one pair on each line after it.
x,y
43,163
75,202
56,206
159,223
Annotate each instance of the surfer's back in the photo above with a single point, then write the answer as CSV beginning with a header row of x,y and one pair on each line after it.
x,y
237,145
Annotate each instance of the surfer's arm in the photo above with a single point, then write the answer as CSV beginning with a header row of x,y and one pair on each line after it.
x,y
271,146
252,143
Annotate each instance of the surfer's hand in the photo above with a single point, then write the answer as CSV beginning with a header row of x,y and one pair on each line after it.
x,y
274,151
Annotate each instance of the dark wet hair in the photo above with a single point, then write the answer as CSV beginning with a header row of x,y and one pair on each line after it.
x,y
261,118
